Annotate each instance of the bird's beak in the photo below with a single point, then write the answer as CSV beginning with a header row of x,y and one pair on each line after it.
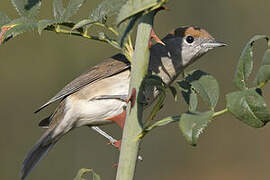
x,y
211,44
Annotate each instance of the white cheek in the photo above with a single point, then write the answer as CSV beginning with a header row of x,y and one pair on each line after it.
x,y
189,54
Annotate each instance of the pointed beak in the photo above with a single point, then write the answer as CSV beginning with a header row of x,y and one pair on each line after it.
x,y
211,44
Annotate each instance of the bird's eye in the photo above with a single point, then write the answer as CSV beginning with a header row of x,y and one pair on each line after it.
x,y
189,39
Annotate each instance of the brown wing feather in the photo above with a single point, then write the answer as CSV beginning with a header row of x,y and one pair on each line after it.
x,y
109,67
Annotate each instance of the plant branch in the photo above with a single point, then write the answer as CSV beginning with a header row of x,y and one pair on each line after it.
x,y
133,125
220,112
107,27
128,49
59,30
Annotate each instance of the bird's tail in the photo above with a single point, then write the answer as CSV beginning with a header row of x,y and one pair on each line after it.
x,y
40,149
57,127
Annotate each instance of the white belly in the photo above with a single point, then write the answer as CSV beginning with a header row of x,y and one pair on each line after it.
x,y
83,110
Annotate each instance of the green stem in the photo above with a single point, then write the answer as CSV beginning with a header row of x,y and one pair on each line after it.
x,y
84,35
133,125
108,27
156,107
220,112
128,49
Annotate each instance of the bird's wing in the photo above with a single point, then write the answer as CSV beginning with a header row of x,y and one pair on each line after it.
x,y
109,67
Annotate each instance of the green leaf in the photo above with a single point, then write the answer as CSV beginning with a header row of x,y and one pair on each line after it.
x,y
174,92
189,95
263,74
27,8
95,176
266,57
43,24
245,63
163,122
83,171
4,19
192,125
159,123
205,85
106,9
86,23
16,27
72,8
58,9
153,80
249,107
193,101
125,29
83,23
134,7
157,106
151,84
52,24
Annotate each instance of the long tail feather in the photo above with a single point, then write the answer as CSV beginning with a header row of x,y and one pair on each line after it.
x,y
58,127
39,150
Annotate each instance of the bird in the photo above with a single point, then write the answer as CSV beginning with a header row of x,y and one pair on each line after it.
x,y
99,96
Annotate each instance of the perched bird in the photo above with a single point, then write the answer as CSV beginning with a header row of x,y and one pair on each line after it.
x,y
99,96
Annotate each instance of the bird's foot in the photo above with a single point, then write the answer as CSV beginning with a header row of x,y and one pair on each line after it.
x,y
120,118
112,141
116,144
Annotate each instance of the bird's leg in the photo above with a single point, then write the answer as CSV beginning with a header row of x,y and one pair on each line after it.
x,y
113,141
120,121
153,36
120,118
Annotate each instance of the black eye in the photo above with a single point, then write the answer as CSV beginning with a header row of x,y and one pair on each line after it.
x,y
190,39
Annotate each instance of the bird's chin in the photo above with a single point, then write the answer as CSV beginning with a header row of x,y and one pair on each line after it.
x,y
194,59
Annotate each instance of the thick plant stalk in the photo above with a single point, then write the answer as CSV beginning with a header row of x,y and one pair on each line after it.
x,y
130,144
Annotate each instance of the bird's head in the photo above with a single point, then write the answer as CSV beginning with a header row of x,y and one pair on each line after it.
x,y
190,43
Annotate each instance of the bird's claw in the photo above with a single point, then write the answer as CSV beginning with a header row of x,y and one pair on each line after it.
x,y
132,97
116,144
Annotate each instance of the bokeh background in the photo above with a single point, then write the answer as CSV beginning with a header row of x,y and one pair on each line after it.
x,y
33,68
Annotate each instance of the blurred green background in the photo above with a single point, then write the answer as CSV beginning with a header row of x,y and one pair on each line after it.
x,y
33,68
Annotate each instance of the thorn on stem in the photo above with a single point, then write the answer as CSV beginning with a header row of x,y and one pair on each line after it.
x,y
132,97
153,36
4,29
